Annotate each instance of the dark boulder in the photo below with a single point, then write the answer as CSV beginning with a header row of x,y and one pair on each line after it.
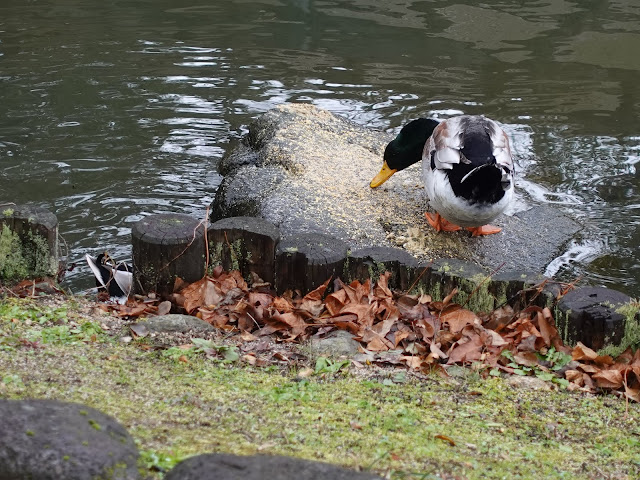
x,y
52,440
217,466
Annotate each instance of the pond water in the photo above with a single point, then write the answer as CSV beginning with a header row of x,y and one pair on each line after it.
x,y
113,110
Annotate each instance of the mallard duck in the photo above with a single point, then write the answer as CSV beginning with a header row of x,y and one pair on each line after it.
x,y
116,279
467,169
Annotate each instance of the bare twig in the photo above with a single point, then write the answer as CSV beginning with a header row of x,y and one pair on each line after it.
x,y
420,276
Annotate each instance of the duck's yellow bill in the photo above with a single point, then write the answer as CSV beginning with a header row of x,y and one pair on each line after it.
x,y
384,175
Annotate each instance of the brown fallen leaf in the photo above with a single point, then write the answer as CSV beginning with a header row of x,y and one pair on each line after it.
x,y
444,438
608,379
469,351
574,376
247,337
249,358
365,313
528,359
139,330
448,298
457,318
164,308
582,352
305,372
355,426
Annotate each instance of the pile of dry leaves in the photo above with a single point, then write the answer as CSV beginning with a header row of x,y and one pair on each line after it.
x,y
425,335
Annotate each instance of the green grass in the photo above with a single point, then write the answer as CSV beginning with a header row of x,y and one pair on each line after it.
x,y
385,421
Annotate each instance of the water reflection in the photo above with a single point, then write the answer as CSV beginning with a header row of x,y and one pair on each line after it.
x,y
110,113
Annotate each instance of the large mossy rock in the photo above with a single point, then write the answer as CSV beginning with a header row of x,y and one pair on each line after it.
x,y
307,171
52,440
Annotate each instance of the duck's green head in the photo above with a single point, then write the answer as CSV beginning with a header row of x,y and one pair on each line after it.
x,y
405,150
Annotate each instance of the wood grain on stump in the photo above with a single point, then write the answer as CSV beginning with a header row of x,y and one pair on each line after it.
x,y
520,289
305,261
165,247
32,236
589,315
247,244
372,262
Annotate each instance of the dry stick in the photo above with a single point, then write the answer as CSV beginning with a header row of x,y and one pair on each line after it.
x,y
193,239
420,276
480,284
540,286
626,397
254,320
231,252
206,240
9,291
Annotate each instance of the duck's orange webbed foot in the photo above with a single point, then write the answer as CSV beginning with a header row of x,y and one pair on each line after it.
x,y
441,224
484,230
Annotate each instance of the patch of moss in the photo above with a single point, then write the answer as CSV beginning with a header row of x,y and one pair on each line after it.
x,y
24,257
13,265
38,255
230,256
474,293
95,425
631,336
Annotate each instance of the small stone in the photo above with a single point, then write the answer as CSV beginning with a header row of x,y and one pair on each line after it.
x,y
336,344
177,323
528,383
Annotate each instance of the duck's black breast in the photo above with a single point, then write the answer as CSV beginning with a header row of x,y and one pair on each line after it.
x,y
483,186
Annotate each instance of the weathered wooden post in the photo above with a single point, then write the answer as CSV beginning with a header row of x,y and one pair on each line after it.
x,y
246,244
372,262
594,316
28,242
165,247
305,261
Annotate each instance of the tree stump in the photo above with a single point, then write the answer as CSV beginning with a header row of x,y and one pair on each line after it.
x,y
28,242
246,244
305,261
518,289
374,261
589,315
166,247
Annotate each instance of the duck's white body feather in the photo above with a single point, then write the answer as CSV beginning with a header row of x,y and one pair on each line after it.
x,y
443,150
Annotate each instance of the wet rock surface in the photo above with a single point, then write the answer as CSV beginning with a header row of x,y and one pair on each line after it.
x,y
307,170
48,439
